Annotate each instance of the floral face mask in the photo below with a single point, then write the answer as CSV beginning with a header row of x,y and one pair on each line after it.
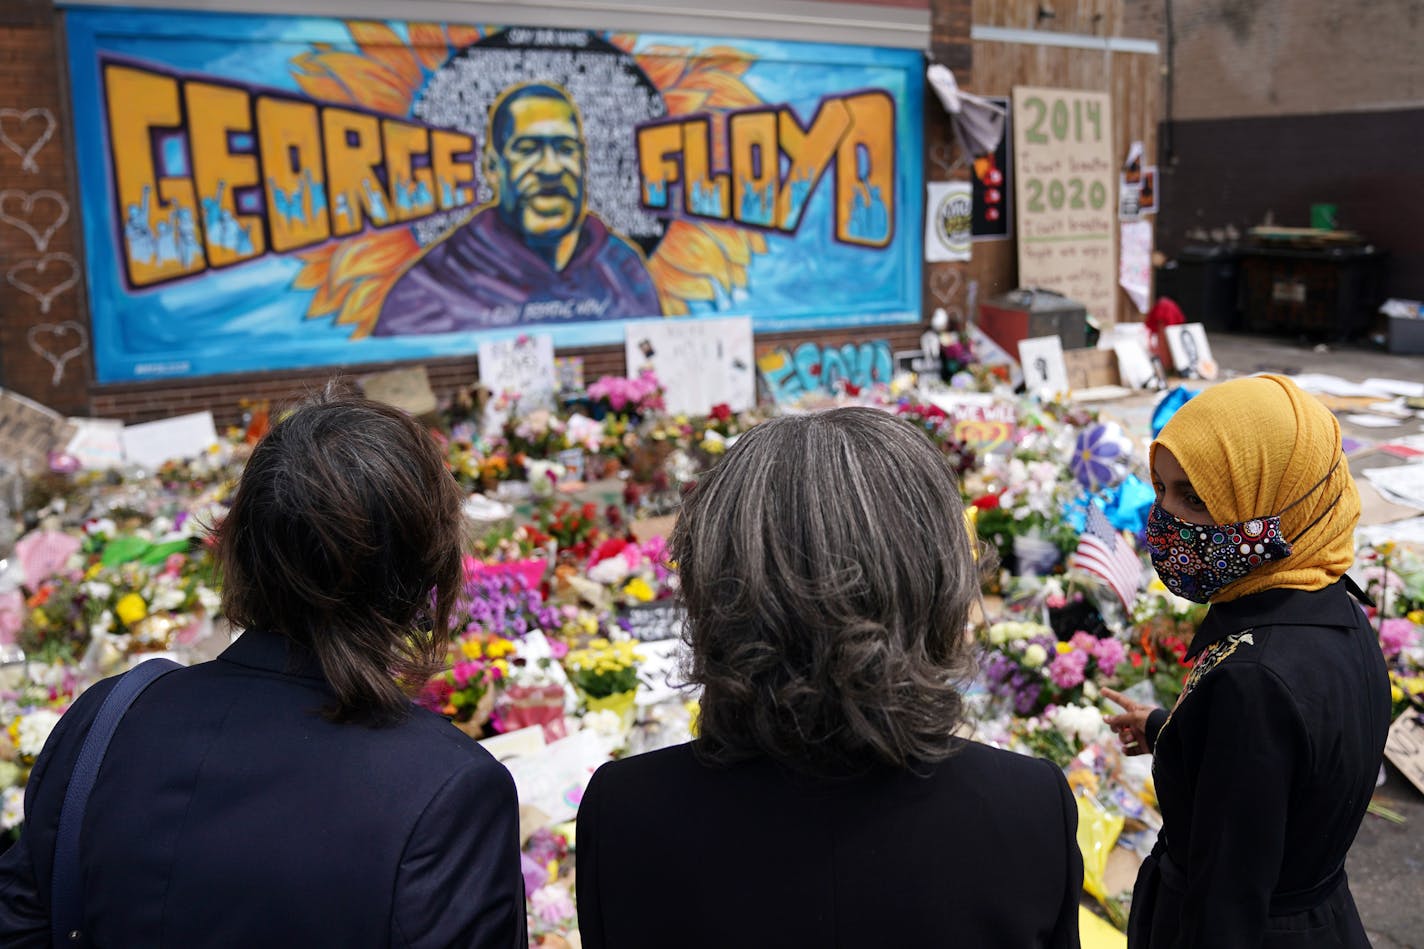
x,y
1197,561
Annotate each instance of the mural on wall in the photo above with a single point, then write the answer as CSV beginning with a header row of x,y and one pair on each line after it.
x,y
264,192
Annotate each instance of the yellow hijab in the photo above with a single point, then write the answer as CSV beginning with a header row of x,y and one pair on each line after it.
x,y
1254,447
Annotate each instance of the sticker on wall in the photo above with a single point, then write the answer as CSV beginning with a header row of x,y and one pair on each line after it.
x,y
273,192
949,220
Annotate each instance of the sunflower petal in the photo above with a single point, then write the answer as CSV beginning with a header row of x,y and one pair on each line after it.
x,y
379,42
462,36
428,42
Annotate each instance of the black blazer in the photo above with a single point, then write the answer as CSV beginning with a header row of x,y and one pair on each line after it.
x,y
981,852
229,813
1263,772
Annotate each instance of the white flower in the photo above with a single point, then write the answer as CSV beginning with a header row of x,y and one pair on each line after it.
x,y
12,808
34,731
1035,656
97,589
211,600
605,722
103,625
166,598
609,572
1080,722
103,525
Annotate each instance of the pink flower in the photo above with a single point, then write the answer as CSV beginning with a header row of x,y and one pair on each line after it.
x,y
1110,653
1396,635
1085,641
1067,669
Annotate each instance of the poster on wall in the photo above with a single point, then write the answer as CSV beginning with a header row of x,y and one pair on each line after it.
x,y
279,192
1065,176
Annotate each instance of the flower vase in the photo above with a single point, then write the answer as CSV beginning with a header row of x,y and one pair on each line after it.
x,y
526,705
622,703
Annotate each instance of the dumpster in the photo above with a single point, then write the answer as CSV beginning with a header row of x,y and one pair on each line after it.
x,y
1205,281
1027,314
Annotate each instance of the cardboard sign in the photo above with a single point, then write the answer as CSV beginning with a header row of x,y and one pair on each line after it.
x,y
1191,353
1405,748
1045,371
654,622
523,366
28,431
554,777
407,389
97,443
1066,180
701,363
150,444
981,422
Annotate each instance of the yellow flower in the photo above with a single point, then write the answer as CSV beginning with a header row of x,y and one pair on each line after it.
x,y
1062,648
131,609
1396,694
639,590
1416,617
498,646
93,571
471,649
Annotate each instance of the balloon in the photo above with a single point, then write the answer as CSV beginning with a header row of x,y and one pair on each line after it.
x,y
1167,407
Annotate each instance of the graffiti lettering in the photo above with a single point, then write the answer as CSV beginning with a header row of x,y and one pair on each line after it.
x,y
774,163
211,174
811,367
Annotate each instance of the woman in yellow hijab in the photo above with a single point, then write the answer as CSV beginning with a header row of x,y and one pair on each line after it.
x,y
1265,766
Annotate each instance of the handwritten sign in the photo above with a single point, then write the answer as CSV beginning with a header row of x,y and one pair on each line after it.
x,y
150,444
523,366
652,622
981,421
1065,179
1405,748
701,363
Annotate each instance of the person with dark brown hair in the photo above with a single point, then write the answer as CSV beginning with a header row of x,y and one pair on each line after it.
x,y
828,578
289,793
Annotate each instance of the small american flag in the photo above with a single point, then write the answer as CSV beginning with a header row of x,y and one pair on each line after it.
x,y
1102,553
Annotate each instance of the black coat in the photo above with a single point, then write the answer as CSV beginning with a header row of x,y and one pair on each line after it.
x,y
1263,773
982,852
228,812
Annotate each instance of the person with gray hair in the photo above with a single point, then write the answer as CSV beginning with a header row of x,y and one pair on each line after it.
x,y
828,801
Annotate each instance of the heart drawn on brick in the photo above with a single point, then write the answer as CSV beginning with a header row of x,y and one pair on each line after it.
x,y
25,145
944,284
942,157
29,200
48,287
46,338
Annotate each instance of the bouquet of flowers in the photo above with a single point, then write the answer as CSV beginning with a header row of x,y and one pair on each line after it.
x,y
576,529
636,397
465,691
1030,669
604,668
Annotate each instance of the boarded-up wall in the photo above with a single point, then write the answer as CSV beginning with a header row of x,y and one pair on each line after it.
x,y
1132,79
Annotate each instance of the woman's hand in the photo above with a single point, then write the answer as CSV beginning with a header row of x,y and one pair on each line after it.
x,y
1131,725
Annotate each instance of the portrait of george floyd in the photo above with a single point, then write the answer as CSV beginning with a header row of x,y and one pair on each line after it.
x,y
536,253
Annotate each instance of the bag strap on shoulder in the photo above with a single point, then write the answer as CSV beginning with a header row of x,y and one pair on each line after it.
x,y
67,884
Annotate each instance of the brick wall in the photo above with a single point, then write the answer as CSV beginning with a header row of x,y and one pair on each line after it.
x,y
44,329
1237,58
